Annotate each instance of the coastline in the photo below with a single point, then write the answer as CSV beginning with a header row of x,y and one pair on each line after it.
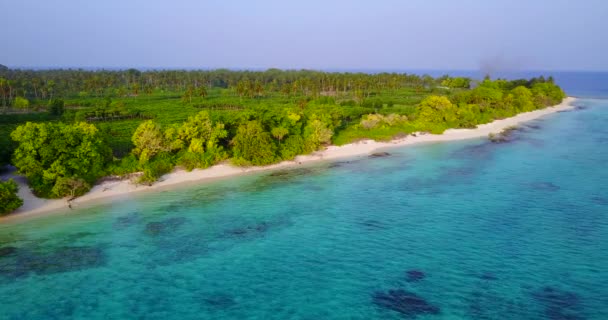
x,y
34,206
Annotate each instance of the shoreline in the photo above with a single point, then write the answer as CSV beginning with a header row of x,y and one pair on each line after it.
x,y
34,206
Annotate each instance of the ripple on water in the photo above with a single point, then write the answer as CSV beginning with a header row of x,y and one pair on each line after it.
x,y
544,186
559,304
600,200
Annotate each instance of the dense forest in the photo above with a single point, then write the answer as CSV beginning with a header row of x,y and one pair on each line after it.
x,y
65,129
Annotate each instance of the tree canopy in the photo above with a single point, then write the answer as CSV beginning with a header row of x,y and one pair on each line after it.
x,y
49,153
253,145
148,140
9,200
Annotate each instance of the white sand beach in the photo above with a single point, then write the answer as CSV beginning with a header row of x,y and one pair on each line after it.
x,y
115,189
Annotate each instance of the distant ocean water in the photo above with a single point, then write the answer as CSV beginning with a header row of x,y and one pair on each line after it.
x,y
461,230
575,83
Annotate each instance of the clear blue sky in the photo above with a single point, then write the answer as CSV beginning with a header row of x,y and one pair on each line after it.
x,y
320,34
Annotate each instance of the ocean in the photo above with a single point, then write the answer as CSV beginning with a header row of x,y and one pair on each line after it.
x,y
458,230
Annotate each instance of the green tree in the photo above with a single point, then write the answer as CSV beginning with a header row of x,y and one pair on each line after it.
x,y
201,137
293,146
71,186
9,200
156,167
279,133
199,133
49,152
547,94
21,103
522,99
458,82
56,106
50,88
487,94
187,96
253,145
148,140
436,110
4,91
202,92
316,133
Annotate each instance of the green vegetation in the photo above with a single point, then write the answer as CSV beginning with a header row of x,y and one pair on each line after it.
x,y
458,82
60,159
71,127
9,201
56,107
21,103
253,145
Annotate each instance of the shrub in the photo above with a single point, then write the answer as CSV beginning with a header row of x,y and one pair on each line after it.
x,y
124,166
72,186
155,168
348,103
316,133
21,103
192,160
293,146
253,145
9,200
56,107
371,121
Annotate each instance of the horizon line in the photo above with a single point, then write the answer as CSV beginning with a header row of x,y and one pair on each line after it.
x,y
338,69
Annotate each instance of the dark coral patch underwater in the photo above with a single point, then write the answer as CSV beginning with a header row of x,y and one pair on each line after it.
x,y
600,200
488,276
532,126
371,224
256,229
559,304
219,300
126,220
406,303
23,262
164,227
545,186
379,155
414,275
480,151
292,173
5,251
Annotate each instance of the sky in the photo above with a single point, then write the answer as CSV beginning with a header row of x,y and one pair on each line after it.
x,y
497,35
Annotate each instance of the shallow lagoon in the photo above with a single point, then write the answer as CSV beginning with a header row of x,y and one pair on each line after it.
x,y
466,230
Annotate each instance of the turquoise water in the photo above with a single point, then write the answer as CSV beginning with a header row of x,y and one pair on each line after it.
x,y
466,230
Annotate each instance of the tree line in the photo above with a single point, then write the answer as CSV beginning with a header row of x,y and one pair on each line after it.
x,y
18,86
